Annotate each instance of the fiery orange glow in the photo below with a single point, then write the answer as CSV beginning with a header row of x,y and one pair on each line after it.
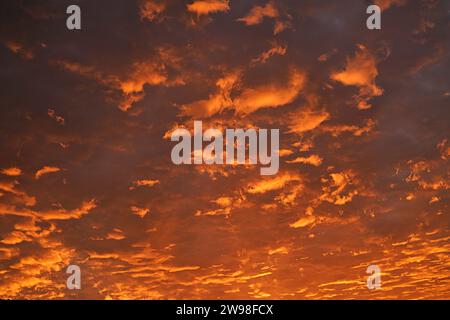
x,y
86,176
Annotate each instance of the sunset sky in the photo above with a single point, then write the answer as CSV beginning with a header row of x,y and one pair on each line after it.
x,y
86,176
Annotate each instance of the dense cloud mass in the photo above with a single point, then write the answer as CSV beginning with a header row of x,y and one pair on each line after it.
x,y
86,176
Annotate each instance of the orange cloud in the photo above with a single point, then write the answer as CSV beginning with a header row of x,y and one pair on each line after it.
x,y
58,214
115,234
204,7
216,102
263,57
143,73
338,204
258,13
270,96
271,184
144,183
15,237
20,196
12,172
425,175
8,253
285,152
153,71
360,71
223,201
314,160
357,131
290,194
281,25
141,212
337,191
33,272
46,170
28,230
303,222
279,250
216,212
63,214
304,120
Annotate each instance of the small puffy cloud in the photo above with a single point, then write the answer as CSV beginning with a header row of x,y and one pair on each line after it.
x,y
52,214
155,71
217,101
357,131
115,234
281,25
27,230
247,100
285,152
46,170
140,212
288,197
143,73
15,237
308,219
426,175
271,184
161,69
270,95
360,71
12,172
314,160
340,188
279,250
32,273
63,214
204,7
258,13
223,201
304,120
144,183
20,196
303,222
214,212
8,253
